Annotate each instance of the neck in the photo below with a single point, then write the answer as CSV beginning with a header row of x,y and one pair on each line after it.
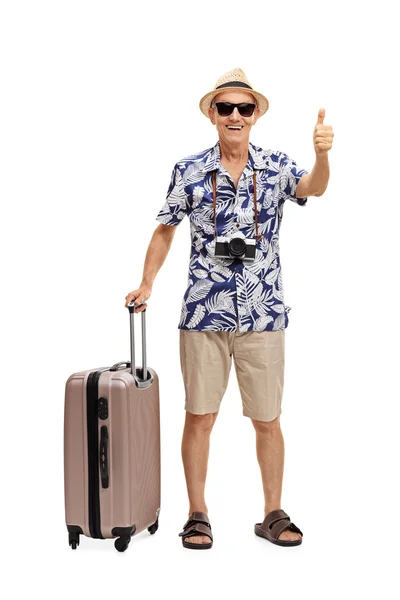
x,y
238,153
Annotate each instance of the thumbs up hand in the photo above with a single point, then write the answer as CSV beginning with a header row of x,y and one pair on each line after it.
x,y
323,134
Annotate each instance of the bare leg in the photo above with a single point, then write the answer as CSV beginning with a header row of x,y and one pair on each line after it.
x,y
195,451
271,455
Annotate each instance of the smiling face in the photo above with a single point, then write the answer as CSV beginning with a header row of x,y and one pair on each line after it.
x,y
233,129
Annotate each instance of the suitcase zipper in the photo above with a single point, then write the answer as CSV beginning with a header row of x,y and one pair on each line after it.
x,y
92,394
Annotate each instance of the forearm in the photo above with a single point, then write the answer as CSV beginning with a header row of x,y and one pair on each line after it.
x,y
319,176
156,254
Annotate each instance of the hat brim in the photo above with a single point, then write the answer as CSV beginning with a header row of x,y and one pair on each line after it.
x,y
206,100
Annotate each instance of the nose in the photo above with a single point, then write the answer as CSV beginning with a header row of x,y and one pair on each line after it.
x,y
235,116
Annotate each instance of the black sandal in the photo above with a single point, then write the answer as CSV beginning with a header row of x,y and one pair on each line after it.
x,y
198,522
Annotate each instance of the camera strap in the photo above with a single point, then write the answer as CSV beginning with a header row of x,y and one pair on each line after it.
x,y
258,237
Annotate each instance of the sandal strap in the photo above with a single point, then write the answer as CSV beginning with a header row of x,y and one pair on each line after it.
x,y
198,517
277,521
272,517
197,528
282,526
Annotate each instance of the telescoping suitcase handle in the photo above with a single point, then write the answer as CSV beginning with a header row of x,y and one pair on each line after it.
x,y
146,378
131,307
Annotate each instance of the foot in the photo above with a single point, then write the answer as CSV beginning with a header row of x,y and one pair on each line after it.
x,y
287,535
278,528
198,538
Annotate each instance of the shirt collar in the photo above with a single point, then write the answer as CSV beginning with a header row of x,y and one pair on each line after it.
x,y
257,159
212,160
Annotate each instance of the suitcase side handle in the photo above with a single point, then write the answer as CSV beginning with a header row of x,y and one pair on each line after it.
x,y
131,307
117,366
104,456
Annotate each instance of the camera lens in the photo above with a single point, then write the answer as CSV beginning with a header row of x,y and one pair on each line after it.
x,y
237,246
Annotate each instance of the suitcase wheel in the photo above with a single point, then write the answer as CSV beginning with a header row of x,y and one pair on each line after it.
x,y
73,539
153,528
122,543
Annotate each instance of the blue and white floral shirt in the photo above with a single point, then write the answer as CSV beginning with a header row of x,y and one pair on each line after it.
x,y
228,294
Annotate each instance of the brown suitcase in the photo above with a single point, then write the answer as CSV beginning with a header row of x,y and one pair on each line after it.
x,y
112,471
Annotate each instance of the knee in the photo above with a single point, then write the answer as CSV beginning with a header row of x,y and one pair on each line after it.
x,y
267,427
201,422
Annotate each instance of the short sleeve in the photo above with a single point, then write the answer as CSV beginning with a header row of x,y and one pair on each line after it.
x,y
290,175
175,206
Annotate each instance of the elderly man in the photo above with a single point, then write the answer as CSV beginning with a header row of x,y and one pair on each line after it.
x,y
233,194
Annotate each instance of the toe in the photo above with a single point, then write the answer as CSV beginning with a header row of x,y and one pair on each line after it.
x,y
289,536
198,539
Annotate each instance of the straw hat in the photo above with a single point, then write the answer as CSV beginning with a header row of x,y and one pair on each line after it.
x,y
233,80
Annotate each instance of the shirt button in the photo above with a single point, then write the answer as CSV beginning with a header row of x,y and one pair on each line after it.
x,y
237,224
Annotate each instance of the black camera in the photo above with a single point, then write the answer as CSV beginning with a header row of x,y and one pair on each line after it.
x,y
237,246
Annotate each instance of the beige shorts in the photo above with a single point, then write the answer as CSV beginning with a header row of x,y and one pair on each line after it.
x,y
259,357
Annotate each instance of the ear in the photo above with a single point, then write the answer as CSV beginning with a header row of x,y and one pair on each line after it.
x,y
211,115
256,115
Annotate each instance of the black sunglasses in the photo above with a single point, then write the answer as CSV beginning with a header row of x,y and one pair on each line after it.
x,y
226,108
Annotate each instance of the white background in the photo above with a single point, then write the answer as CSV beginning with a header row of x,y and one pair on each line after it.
x,y
98,101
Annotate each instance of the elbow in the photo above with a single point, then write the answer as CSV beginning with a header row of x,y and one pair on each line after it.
x,y
167,231
319,193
